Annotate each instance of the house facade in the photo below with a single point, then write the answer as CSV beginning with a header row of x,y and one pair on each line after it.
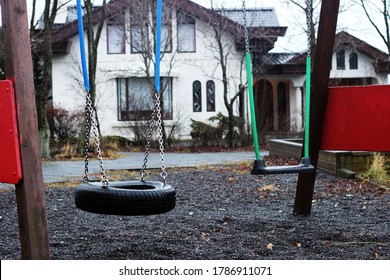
x,y
194,42
279,81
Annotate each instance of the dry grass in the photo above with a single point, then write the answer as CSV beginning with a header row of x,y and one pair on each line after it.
x,y
377,172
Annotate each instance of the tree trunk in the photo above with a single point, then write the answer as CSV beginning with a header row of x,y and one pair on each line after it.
x,y
44,86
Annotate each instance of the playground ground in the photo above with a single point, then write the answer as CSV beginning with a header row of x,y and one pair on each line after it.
x,y
222,212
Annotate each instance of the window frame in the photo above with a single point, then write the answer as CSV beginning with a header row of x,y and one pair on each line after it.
x,y
210,95
197,100
115,21
181,21
124,99
353,61
340,59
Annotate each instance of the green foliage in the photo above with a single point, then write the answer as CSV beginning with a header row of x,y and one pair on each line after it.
x,y
116,143
213,135
206,134
65,126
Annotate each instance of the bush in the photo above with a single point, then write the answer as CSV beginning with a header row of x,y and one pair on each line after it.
x,y
65,126
211,135
116,143
206,134
377,171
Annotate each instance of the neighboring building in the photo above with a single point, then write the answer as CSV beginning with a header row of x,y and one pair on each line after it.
x,y
190,65
191,70
279,80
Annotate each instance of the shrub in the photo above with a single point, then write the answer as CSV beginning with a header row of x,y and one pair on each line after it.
x,y
377,171
65,126
211,135
116,143
206,134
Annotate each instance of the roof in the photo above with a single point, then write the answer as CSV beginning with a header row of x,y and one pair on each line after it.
x,y
254,17
293,63
344,38
265,36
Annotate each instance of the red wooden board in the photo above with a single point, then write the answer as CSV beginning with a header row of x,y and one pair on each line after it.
x,y
10,162
357,119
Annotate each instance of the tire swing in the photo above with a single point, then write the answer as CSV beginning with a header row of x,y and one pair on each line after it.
x,y
259,166
127,198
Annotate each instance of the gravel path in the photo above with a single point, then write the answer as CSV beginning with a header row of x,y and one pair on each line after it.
x,y
221,212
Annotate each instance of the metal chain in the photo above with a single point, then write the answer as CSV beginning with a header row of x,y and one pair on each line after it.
x,y
90,125
148,141
309,26
246,33
156,113
163,173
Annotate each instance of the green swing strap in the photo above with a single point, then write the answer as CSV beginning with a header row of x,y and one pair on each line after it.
x,y
259,166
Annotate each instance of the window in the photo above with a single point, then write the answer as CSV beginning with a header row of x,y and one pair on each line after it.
x,y
197,96
353,61
139,30
166,30
210,90
185,33
135,101
283,123
116,34
166,42
340,59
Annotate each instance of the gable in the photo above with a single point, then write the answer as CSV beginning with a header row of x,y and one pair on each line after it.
x,y
263,37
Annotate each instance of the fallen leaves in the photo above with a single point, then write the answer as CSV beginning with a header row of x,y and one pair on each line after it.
x,y
268,188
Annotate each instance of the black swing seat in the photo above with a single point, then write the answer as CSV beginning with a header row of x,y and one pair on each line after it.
x,y
305,166
127,198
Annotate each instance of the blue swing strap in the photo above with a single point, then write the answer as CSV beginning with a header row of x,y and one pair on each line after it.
x,y
90,114
156,118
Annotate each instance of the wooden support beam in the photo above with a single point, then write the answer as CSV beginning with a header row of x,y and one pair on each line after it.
x,y
33,229
319,95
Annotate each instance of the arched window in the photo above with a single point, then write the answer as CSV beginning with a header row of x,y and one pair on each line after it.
x,y
353,61
340,59
210,87
197,96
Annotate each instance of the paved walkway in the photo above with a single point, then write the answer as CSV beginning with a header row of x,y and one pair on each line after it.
x,y
58,171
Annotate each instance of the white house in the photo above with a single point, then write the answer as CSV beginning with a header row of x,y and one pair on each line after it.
x,y
191,68
280,80
190,64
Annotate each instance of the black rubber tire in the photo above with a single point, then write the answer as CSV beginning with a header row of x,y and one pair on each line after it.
x,y
127,198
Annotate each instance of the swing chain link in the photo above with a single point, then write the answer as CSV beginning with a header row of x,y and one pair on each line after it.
x,y
143,172
163,173
90,125
309,8
156,113
246,33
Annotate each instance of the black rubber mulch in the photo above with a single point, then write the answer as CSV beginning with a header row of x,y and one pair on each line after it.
x,y
221,212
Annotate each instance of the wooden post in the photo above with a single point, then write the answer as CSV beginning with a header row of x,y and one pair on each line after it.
x,y
319,96
30,199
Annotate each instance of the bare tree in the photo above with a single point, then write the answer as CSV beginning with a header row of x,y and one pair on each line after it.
x,y
142,41
93,42
220,43
377,12
42,61
312,13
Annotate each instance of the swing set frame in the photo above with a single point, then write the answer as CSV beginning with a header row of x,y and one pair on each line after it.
x,y
33,228
259,166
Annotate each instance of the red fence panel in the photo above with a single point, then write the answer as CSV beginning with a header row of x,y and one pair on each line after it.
x,y
10,161
357,119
